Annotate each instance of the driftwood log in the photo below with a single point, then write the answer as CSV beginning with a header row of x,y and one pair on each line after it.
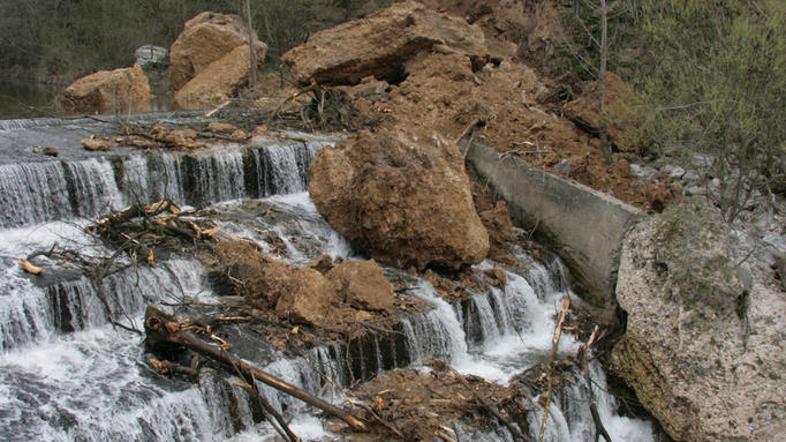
x,y
162,328
563,313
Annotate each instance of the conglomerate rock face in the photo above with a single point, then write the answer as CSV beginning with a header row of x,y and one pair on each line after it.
x,y
704,343
379,44
119,91
401,196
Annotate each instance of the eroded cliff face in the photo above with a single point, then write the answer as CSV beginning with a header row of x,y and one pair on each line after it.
x,y
704,342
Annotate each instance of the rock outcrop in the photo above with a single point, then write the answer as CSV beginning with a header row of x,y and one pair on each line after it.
x,y
622,118
219,81
106,92
704,344
363,285
402,196
206,38
379,44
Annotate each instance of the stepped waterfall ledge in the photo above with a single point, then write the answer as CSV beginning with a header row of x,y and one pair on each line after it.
x,y
75,364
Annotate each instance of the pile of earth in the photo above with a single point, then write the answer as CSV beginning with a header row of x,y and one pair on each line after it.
x,y
412,67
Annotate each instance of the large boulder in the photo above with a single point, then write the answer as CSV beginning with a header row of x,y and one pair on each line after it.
x,y
206,38
379,44
109,92
219,81
623,118
363,285
704,343
402,196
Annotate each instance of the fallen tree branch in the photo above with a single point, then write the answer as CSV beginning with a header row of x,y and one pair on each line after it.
x,y
162,328
563,312
583,356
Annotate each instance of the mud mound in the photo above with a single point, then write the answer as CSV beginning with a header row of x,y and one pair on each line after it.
x,y
362,285
449,87
403,197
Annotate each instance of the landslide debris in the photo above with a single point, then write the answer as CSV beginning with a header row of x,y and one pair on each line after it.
x,y
425,406
485,89
402,196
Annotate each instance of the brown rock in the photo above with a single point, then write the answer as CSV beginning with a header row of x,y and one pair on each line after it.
x,y
401,196
362,285
304,295
220,81
622,105
94,143
109,92
498,223
181,136
379,44
205,38
221,128
301,295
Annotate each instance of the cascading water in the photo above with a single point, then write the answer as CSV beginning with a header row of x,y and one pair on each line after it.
x,y
67,374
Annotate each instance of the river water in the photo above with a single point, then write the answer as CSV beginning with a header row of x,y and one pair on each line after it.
x,y
65,374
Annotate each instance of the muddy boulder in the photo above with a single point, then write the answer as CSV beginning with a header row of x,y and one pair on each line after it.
x,y
402,196
363,285
380,44
109,92
622,107
301,295
219,81
206,38
703,348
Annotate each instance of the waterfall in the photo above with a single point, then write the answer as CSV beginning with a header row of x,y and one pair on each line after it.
x,y
67,374
40,191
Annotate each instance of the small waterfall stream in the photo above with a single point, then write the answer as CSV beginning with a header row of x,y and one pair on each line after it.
x,y
67,374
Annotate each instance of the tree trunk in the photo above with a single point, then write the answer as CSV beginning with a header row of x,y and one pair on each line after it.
x,y
252,74
162,328
604,55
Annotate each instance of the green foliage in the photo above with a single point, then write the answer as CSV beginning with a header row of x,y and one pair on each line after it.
x,y
719,87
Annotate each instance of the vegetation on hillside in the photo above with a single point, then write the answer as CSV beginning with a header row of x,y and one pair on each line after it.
x,y
56,41
711,75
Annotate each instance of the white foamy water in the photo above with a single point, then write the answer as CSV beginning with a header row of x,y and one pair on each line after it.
x,y
65,374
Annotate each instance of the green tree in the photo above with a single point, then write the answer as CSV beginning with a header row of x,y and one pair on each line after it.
x,y
718,86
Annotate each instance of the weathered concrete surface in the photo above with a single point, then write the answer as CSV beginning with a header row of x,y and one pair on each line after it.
x,y
583,226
